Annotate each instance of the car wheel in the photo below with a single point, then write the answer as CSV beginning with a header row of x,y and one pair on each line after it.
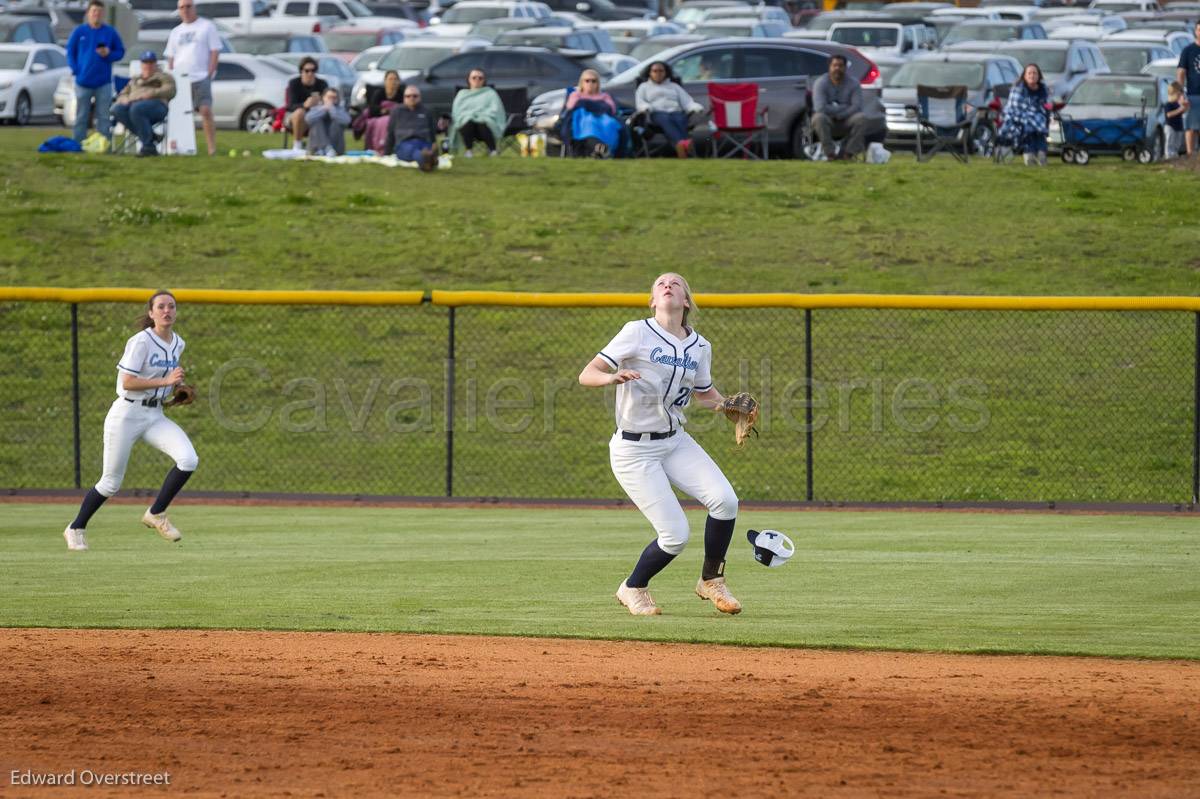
x,y
257,118
23,110
983,139
802,138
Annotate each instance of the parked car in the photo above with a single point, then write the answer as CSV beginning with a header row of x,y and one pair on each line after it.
x,y
994,32
739,26
1129,58
1083,33
369,58
783,69
410,59
63,17
151,9
344,12
764,13
29,74
1175,40
491,29
15,29
255,17
691,14
653,45
246,91
595,40
1107,22
1162,68
1064,64
272,43
984,76
457,21
911,9
346,43
331,69
597,10
627,34
1102,97
1117,6
880,38
1017,13
397,11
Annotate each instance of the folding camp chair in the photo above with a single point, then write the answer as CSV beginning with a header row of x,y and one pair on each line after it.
x,y
515,101
739,120
942,122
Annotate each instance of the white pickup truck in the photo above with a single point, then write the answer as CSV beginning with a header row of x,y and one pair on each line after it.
x,y
346,13
254,16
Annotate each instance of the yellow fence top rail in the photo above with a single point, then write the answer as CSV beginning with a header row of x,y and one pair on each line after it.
x,y
601,300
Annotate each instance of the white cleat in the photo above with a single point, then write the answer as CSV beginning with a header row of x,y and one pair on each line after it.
x,y
716,591
76,539
638,600
161,524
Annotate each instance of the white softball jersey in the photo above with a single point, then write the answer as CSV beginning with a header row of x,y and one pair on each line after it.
x,y
149,357
671,369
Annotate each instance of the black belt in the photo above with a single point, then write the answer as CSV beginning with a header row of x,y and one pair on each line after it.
x,y
150,403
628,436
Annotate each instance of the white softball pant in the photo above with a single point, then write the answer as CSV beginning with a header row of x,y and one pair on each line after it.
x,y
126,423
648,469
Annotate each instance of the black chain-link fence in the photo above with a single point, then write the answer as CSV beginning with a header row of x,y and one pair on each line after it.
x,y
905,405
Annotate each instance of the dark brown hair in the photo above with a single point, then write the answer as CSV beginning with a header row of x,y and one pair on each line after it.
x,y
144,321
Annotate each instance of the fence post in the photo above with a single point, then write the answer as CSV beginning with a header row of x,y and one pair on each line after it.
x,y
75,385
808,401
450,409
1196,418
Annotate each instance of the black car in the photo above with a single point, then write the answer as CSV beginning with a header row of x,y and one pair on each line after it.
x,y
510,70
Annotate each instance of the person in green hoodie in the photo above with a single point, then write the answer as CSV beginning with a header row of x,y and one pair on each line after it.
x,y
477,115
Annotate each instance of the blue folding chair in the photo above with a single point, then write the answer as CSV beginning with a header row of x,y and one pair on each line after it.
x,y
943,122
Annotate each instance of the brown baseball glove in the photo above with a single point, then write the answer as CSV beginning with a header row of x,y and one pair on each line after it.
x,y
183,395
742,410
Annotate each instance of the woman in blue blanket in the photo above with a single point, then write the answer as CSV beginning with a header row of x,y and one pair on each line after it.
x,y
590,123
1026,121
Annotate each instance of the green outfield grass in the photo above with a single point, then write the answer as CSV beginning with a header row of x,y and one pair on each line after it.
x,y
1016,583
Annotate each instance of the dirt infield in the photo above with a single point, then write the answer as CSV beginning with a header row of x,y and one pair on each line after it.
x,y
331,714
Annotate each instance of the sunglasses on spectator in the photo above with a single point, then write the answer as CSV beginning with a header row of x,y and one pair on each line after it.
x,y
414,96
308,69
590,80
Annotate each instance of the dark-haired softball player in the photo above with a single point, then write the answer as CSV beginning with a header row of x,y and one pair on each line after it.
x,y
146,374
659,365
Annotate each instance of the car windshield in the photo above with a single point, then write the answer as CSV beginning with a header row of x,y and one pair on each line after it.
x,y
1114,92
518,37
12,60
1050,60
713,31
937,73
259,45
866,37
1124,59
686,16
350,42
980,33
458,16
362,62
414,58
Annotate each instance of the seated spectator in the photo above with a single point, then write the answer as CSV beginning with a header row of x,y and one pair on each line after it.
x,y
668,105
1026,121
142,104
303,92
327,125
589,120
371,123
838,111
477,115
410,132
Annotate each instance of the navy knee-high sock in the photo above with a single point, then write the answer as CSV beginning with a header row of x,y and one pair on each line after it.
x,y
91,503
717,535
652,561
170,487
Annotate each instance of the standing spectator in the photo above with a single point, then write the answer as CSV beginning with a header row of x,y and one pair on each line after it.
x,y
193,48
1026,121
327,123
142,104
410,131
1188,75
838,111
667,104
477,115
303,93
91,51
1174,109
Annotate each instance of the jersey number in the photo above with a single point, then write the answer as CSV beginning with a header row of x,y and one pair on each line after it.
x,y
682,399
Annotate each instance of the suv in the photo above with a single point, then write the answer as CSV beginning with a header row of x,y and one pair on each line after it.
x,y
345,12
599,10
880,37
783,69
994,32
1064,63
410,58
457,21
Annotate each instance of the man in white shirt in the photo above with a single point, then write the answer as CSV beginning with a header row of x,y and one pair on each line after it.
x,y
193,47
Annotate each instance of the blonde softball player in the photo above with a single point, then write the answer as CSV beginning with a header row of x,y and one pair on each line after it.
x,y
659,366
146,375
